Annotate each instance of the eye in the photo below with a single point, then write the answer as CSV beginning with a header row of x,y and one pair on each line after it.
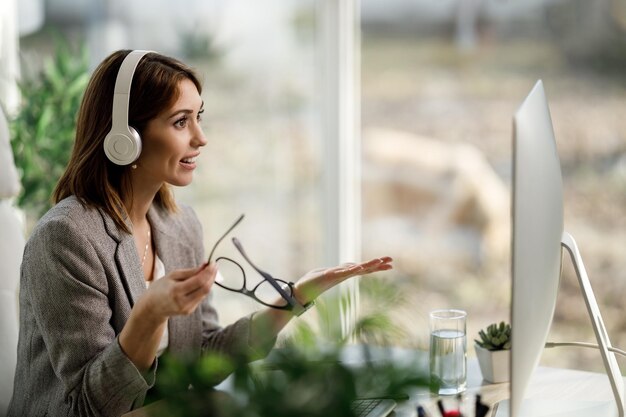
x,y
200,113
182,122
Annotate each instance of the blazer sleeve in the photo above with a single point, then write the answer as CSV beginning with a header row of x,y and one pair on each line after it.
x,y
67,286
234,339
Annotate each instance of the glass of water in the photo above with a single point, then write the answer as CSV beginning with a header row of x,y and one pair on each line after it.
x,y
448,350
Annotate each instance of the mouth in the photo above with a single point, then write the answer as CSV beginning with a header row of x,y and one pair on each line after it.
x,y
189,162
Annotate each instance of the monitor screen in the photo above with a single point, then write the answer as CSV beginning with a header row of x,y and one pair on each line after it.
x,y
536,252
537,228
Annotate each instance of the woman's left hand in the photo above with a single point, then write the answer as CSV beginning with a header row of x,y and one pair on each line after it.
x,y
317,281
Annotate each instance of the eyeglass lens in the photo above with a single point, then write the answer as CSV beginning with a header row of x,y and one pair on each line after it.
x,y
232,277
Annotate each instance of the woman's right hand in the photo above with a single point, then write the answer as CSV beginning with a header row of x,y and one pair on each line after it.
x,y
179,292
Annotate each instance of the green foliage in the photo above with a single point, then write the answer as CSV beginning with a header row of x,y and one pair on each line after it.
x,y
291,381
375,326
495,337
306,377
44,128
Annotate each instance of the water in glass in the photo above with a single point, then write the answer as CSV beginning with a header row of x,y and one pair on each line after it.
x,y
448,360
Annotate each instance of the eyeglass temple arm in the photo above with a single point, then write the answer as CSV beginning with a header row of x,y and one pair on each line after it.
x,y
295,304
223,236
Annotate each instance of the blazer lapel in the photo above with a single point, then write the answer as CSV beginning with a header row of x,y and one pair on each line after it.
x,y
127,260
184,331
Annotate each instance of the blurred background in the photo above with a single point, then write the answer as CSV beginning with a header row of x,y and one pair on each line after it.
x,y
437,85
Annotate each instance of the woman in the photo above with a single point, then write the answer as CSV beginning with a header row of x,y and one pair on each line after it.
x,y
116,271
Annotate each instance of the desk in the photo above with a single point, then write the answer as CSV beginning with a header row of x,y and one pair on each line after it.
x,y
546,383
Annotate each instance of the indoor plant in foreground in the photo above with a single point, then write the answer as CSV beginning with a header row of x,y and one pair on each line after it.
x,y
311,374
493,351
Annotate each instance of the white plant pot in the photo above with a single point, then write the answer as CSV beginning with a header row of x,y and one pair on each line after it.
x,y
494,365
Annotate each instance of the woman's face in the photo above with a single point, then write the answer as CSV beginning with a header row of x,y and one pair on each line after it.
x,y
171,141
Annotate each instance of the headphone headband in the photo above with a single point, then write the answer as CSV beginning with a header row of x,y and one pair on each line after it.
x,y
123,83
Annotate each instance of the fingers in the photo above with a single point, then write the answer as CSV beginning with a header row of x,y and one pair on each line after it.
x,y
373,265
198,278
378,264
385,260
191,286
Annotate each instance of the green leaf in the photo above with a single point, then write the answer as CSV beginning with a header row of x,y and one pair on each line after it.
x,y
43,130
496,337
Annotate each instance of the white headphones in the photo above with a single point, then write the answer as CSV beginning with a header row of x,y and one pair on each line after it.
x,y
122,145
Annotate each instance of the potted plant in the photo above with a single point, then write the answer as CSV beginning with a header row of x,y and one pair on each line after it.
x,y
43,129
493,351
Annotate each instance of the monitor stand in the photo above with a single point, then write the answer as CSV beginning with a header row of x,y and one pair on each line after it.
x,y
568,408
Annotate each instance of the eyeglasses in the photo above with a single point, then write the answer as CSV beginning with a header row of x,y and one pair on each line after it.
x,y
271,292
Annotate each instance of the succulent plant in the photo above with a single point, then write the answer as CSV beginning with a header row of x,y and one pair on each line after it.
x,y
495,337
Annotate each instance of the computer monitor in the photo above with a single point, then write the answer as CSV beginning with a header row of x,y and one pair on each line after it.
x,y
536,253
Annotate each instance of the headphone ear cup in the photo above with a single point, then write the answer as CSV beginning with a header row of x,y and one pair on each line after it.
x,y
123,148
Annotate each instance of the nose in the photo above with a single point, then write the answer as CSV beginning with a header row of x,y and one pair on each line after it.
x,y
198,138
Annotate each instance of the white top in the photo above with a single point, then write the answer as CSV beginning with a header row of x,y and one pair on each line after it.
x,y
159,272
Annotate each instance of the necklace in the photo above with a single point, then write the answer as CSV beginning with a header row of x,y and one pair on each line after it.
x,y
145,251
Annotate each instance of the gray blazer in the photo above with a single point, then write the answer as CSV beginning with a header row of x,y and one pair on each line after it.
x,y
80,277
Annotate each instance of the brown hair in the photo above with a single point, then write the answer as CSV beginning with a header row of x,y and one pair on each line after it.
x,y
89,175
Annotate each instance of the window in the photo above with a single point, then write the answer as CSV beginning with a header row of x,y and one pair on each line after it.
x,y
280,93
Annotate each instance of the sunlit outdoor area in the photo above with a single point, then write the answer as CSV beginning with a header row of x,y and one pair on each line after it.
x,y
438,83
